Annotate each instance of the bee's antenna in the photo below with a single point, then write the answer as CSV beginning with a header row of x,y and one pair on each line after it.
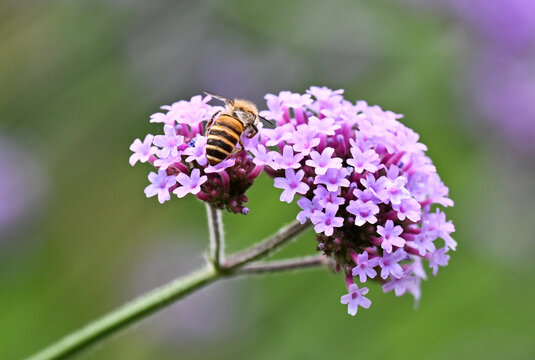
x,y
266,120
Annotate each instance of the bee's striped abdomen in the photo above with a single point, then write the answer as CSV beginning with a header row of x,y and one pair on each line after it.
x,y
223,136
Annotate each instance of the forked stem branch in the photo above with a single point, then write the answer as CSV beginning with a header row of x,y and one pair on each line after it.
x,y
165,295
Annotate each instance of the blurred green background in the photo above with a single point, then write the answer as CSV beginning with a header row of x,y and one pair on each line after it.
x,y
78,82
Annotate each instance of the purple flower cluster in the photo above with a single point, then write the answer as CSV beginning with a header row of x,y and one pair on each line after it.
x,y
359,176
363,180
179,156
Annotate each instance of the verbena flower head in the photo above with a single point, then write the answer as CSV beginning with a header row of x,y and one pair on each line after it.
x,y
364,182
179,155
359,176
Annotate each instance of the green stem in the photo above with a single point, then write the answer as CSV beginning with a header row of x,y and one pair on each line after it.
x,y
217,237
307,262
266,247
176,289
128,314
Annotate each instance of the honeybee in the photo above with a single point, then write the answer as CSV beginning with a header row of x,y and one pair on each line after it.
x,y
224,129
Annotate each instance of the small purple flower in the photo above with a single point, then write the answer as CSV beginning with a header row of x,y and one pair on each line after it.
x,y
263,157
437,191
228,162
166,163
377,187
395,190
142,150
365,267
275,106
437,222
404,284
325,222
356,298
423,243
197,152
438,258
333,179
287,160
365,195
162,118
390,236
408,208
278,135
291,184
361,161
192,112
389,264
326,126
294,100
168,142
190,184
305,139
324,196
417,268
160,184
325,97
324,161
364,211
308,207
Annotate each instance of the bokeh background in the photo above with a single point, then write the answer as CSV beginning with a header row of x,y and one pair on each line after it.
x,y
78,81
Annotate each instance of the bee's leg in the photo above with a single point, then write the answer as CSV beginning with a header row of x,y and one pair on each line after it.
x,y
237,149
241,144
209,125
254,132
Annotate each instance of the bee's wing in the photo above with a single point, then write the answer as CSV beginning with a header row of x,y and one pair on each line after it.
x,y
219,97
266,121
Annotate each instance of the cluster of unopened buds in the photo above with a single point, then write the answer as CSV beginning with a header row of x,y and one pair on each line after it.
x,y
359,176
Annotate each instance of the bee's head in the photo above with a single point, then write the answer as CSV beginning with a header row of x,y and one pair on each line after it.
x,y
246,111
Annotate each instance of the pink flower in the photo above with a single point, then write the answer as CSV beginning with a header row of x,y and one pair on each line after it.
x,y
142,150
325,222
355,298
169,142
189,184
291,184
160,184
365,267
333,179
324,161
287,160
390,236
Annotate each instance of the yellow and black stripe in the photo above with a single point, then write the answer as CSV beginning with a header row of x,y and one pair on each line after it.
x,y
223,136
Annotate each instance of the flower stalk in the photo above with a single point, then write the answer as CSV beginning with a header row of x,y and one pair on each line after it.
x,y
217,236
128,314
285,265
165,295
266,247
